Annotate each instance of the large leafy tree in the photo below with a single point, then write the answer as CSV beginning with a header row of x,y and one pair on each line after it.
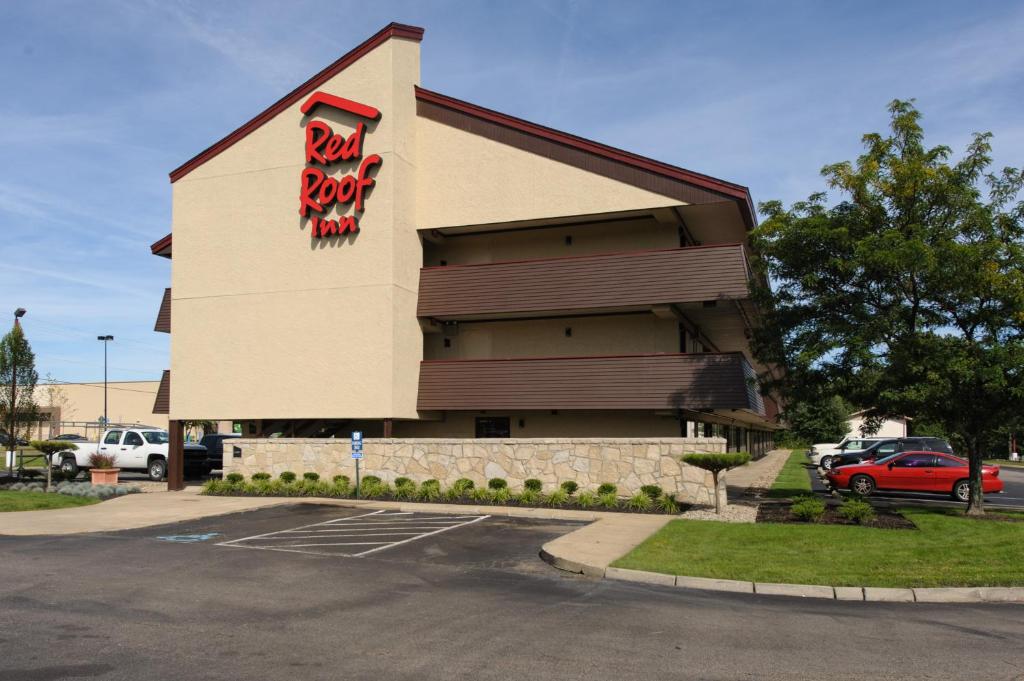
x,y
17,361
822,419
903,288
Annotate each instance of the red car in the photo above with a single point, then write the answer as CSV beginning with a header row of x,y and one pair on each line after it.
x,y
914,472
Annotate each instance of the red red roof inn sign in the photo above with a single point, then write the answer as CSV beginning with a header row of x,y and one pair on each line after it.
x,y
324,148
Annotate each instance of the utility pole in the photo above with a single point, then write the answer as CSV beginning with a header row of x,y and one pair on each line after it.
x,y
12,438
105,339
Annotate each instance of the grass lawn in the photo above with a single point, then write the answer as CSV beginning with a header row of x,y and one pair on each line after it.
x,y
39,501
1005,462
793,479
947,549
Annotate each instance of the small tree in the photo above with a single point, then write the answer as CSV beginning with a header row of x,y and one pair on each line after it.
x,y
56,396
18,380
192,428
716,463
48,448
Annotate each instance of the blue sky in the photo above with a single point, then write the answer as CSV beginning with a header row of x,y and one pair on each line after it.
x,y
100,100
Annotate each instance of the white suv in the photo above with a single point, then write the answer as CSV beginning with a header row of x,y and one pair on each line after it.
x,y
822,454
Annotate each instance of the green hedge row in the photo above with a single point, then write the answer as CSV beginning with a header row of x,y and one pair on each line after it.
x,y
650,499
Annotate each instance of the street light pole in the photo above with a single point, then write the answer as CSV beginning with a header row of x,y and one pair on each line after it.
x,y
105,339
12,439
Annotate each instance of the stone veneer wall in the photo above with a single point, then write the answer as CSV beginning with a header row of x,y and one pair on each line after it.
x,y
627,462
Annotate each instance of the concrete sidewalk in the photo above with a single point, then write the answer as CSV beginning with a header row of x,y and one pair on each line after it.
x,y
591,549
129,512
758,474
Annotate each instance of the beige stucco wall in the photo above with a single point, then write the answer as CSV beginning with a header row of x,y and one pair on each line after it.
x,y
895,427
466,179
615,335
587,239
269,323
127,402
629,463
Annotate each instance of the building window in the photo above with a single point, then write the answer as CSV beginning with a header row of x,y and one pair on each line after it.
x,y
493,426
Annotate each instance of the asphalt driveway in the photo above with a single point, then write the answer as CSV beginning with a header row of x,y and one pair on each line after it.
x,y
473,602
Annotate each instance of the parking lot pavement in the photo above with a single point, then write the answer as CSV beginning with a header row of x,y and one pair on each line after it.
x,y
474,602
1012,498
356,535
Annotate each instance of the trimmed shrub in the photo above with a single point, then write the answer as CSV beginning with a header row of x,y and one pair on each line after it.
x,y
497,483
641,501
807,508
374,487
260,476
667,503
463,485
653,491
857,510
404,493
429,492
287,477
608,500
607,488
234,478
586,499
401,481
432,482
570,486
311,476
528,497
557,498
533,484
715,463
338,480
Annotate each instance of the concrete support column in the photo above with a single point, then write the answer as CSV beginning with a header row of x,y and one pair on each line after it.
x,y
175,457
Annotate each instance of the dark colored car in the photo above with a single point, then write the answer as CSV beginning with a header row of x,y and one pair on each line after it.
x,y
5,440
884,448
214,443
71,437
914,472
195,463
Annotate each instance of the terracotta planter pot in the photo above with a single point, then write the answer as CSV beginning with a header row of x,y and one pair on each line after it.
x,y
104,476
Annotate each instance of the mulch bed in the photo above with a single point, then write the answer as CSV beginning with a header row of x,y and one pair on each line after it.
x,y
779,513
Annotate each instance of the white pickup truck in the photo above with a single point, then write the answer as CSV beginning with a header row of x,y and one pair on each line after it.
x,y
143,449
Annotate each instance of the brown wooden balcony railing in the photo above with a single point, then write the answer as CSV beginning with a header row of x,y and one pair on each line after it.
x,y
163,318
615,281
700,382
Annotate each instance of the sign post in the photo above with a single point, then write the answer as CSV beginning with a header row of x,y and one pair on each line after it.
x,y
357,453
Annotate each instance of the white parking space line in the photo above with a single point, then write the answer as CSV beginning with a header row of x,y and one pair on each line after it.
x,y
379,529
